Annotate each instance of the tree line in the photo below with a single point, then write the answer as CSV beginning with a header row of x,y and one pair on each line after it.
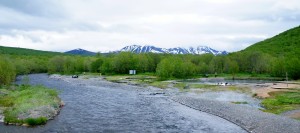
x,y
165,66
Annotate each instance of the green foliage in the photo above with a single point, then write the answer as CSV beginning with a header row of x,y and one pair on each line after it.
x,y
239,102
123,62
26,98
6,101
160,84
26,52
281,102
293,68
278,67
56,64
96,65
36,121
217,64
107,66
285,44
7,71
275,55
145,63
174,67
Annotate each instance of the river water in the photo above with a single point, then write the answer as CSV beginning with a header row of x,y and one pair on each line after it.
x,y
95,105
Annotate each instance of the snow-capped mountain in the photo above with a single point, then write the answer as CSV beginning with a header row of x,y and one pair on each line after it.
x,y
177,50
143,49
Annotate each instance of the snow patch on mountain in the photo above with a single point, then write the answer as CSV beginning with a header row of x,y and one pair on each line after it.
x,y
177,50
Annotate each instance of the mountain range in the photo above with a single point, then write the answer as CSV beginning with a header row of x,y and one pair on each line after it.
x,y
177,50
153,49
285,44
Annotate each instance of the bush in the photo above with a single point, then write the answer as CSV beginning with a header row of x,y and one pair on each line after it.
x,y
6,101
7,71
36,121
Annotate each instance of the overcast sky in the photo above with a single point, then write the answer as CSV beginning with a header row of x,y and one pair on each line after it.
x,y
106,25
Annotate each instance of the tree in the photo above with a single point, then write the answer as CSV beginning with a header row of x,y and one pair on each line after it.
x,y
95,66
175,67
293,68
56,64
217,64
123,62
202,68
69,66
145,63
232,67
278,67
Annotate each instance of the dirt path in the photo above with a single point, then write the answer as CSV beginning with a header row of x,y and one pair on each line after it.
x,y
263,91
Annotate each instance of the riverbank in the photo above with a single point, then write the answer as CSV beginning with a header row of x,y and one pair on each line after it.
x,y
248,118
28,105
250,93
252,120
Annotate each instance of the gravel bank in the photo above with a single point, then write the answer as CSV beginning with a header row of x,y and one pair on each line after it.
x,y
250,119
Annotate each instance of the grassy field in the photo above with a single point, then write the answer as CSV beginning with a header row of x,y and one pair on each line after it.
x,y
152,80
27,104
245,76
280,102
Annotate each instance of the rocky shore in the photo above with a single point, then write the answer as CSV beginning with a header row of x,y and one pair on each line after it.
x,y
250,119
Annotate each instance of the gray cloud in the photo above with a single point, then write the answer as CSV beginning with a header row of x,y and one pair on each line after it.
x,y
39,8
102,25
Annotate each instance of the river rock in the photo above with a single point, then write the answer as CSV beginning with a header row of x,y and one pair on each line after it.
x,y
42,111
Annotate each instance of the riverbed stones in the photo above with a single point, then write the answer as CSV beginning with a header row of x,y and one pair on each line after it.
x,y
43,111
250,119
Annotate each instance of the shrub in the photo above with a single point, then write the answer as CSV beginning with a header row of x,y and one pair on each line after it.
x,y
36,121
6,101
7,71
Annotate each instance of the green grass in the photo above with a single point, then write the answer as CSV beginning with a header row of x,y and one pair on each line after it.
x,y
281,102
213,87
195,86
249,76
36,121
239,102
26,98
160,84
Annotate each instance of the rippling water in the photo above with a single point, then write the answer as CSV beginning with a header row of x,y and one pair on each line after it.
x,y
93,105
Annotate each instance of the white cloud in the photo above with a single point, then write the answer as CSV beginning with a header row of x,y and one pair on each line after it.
x,y
101,25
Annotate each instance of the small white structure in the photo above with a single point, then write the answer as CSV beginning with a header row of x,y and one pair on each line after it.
x,y
132,72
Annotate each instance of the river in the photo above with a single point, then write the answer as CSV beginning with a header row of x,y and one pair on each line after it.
x,y
95,105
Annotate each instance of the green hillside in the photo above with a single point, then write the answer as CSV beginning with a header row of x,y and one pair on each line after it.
x,y
24,51
283,44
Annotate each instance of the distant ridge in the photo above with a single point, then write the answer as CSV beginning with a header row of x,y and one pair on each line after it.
x,y
286,43
25,51
152,49
80,52
177,50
